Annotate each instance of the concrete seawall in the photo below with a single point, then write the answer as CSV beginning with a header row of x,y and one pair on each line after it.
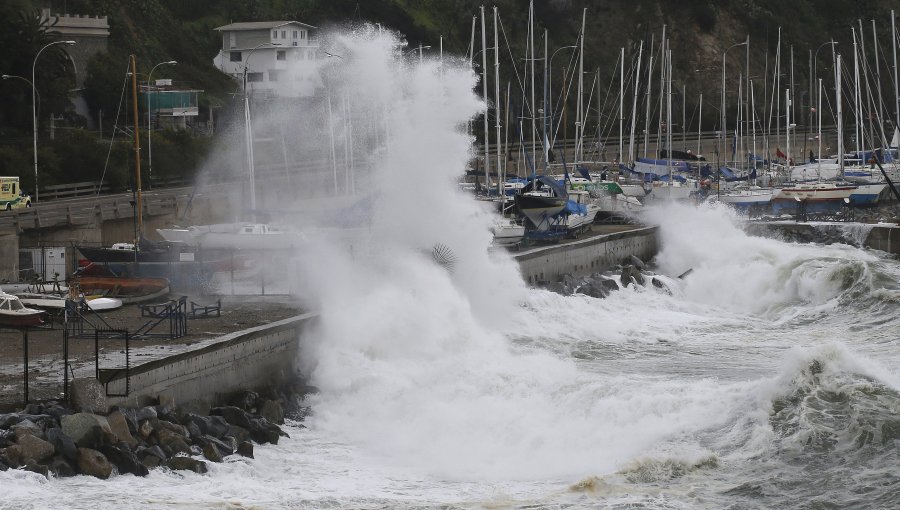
x,y
586,256
255,358
265,356
884,237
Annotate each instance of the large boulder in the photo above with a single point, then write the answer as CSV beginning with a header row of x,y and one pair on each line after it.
x,y
27,427
93,463
88,396
8,420
211,452
125,460
145,429
246,400
233,415
61,467
173,441
224,448
33,448
272,411
118,424
187,464
636,262
6,438
238,433
63,444
262,431
151,457
85,429
245,449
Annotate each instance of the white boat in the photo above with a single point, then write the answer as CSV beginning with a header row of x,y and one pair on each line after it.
x,y
583,215
675,190
743,198
235,236
507,232
42,301
103,303
814,197
14,314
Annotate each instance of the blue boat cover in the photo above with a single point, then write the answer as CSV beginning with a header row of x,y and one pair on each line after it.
x,y
573,207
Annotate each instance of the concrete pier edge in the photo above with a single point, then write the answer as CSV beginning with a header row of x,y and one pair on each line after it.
x,y
266,356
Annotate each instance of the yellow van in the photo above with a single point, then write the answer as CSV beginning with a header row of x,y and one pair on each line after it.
x,y
11,195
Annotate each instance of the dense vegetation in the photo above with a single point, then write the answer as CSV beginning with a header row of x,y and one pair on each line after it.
x,y
159,30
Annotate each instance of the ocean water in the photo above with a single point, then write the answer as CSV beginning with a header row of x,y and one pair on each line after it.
x,y
766,378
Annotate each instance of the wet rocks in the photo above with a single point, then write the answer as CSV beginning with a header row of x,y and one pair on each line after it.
x,y
93,463
52,439
633,271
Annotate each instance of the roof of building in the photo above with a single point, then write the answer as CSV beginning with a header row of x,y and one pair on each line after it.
x,y
260,25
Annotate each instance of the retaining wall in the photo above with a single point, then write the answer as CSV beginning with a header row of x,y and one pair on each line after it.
x,y
884,237
255,358
586,256
265,356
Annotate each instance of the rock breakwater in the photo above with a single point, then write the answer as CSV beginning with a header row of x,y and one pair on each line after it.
x,y
57,440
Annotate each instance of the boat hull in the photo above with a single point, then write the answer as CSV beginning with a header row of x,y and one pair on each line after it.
x,y
814,198
540,210
22,320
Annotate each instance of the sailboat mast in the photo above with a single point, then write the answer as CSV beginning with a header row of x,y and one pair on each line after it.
x,y
621,105
778,92
896,83
840,115
579,124
819,111
484,86
787,120
683,117
857,107
699,123
500,176
669,116
752,157
533,100
546,107
662,89
139,211
747,117
649,92
637,81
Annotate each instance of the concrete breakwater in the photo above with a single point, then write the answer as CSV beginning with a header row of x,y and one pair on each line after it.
x,y
605,250
880,236
265,356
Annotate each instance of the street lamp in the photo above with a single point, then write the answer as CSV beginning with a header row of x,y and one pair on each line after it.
x,y
724,126
34,110
248,131
26,80
149,139
419,49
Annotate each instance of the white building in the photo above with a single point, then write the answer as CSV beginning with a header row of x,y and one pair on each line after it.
x,y
279,56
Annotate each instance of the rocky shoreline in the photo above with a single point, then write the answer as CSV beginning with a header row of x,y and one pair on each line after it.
x,y
632,271
89,438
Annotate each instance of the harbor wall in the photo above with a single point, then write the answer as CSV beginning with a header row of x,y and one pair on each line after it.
x,y
587,256
267,356
884,237
256,358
